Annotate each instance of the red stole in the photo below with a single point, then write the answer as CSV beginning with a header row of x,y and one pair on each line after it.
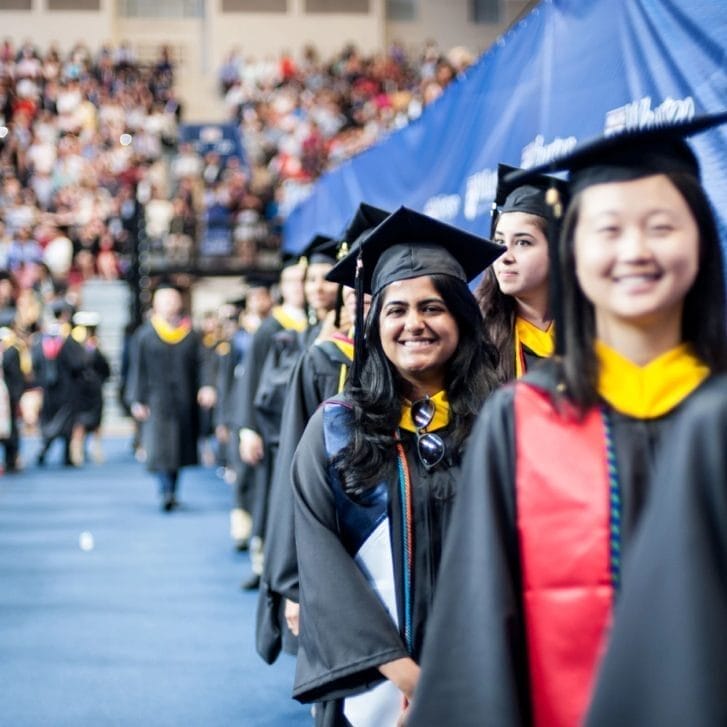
x,y
562,491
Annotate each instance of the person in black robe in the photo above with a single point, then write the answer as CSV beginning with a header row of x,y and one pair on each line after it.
x,y
167,384
17,368
58,363
96,373
288,316
321,373
560,462
374,475
255,307
285,350
210,338
513,293
668,646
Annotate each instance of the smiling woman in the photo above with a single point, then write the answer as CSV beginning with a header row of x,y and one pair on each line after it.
x,y
514,293
375,473
560,465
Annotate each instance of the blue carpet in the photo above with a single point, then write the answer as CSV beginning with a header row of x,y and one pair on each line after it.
x,y
147,627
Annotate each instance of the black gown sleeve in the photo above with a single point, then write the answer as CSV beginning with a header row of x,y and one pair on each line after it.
x,y
280,572
667,654
137,382
345,631
259,347
474,668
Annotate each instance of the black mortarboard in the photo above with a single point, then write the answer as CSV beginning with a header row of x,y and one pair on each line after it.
x,y
288,260
529,197
659,149
366,218
363,223
257,281
408,244
321,249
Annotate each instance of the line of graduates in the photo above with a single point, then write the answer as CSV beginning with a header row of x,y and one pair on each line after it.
x,y
64,363
547,551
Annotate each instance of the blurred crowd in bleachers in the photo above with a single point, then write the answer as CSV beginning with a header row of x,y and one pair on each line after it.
x,y
302,116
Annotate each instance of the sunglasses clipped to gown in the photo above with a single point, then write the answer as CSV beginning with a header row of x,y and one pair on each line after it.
x,y
430,446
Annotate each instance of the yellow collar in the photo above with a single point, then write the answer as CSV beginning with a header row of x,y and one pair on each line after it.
x,y
344,345
170,334
541,343
647,392
441,413
288,321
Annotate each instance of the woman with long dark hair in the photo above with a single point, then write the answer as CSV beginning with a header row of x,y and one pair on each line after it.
x,y
375,473
560,463
513,293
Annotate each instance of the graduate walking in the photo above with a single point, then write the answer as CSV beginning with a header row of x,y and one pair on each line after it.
x,y
167,385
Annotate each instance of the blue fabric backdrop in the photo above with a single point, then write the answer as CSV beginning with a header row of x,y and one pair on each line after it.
x,y
568,71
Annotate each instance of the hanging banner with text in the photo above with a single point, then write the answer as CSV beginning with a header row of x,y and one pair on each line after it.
x,y
568,71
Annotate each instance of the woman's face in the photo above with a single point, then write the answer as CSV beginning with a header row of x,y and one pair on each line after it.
x,y
319,292
522,270
636,248
418,333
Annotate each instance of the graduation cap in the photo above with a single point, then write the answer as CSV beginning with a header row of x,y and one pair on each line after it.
x,y
321,249
529,197
408,244
255,281
366,218
288,260
633,154
88,319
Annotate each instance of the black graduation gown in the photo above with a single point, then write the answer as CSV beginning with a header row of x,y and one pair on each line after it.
x,y
346,632
245,414
316,377
15,382
166,377
58,375
210,361
474,667
286,348
95,373
667,654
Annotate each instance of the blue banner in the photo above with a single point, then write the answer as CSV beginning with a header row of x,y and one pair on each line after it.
x,y
568,71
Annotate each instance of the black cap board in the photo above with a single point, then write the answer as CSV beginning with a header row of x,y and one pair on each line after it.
x,y
409,244
529,197
321,249
365,220
630,155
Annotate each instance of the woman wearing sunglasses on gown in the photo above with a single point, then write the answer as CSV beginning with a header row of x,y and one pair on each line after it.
x,y
559,463
513,293
375,473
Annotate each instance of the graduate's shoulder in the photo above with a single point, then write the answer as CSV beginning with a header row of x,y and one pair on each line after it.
x,y
706,409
